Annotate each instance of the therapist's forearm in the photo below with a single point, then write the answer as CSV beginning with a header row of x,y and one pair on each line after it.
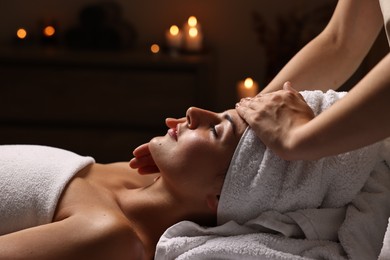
x,y
360,118
319,65
333,56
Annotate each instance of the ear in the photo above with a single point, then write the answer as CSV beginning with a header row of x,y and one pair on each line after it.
x,y
212,202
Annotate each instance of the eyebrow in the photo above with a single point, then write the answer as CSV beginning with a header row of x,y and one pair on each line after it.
x,y
228,117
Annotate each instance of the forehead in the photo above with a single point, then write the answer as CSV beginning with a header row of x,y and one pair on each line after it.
x,y
239,124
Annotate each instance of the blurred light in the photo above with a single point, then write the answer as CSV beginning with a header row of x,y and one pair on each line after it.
x,y
248,83
193,32
21,33
174,30
49,31
155,48
192,21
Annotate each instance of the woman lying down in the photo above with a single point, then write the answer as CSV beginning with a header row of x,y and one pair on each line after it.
x,y
332,208
55,204
58,205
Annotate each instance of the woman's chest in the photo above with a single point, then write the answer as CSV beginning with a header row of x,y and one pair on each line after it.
x,y
85,195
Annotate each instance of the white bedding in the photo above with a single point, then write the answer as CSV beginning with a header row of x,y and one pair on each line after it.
x,y
360,232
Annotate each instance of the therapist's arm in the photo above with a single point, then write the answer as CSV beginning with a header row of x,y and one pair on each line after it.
x,y
333,56
282,122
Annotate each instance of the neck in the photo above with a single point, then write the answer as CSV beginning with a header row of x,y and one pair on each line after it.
x,y
155,208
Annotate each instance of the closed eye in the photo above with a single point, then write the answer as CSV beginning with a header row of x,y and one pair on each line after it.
x,y
214,131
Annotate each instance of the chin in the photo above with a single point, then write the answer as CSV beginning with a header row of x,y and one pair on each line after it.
x,y
159,149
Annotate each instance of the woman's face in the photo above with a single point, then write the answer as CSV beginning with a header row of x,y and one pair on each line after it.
x,y
199,148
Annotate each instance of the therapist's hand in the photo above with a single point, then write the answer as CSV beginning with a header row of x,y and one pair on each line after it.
x,y
276,117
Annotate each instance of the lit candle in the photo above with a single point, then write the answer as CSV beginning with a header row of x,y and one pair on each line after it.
x,y
193,34
174,37
247,88
21,33
22,36
49,33
155,48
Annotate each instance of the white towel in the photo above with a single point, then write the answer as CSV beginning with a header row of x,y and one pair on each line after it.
x,y
275,209
32,179
359,234
259,181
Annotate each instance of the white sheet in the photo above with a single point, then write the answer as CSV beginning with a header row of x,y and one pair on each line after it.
x,y
360,233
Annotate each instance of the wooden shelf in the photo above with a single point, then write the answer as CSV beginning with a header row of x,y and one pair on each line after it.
x,y
82,99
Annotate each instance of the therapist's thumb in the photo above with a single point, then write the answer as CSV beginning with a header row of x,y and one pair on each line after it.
x,y
287,86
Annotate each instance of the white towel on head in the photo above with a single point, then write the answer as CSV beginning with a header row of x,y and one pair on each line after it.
x,y
259,181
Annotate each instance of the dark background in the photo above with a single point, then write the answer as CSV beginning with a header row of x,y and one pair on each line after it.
x,y
107,99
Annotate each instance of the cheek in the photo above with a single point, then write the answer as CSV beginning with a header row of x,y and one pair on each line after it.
x,y
200,154
193,153
171,156
190,152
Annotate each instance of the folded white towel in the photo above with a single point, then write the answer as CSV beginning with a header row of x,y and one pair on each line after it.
x,y
32,179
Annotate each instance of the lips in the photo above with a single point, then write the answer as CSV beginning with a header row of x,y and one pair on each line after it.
x,y
173,133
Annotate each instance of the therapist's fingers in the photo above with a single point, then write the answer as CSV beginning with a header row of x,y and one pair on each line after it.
x,y
247,109
248,105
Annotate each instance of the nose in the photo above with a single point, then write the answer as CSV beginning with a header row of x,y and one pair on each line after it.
x,y
173,122
197,116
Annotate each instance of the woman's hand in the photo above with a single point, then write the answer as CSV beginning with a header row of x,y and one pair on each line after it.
x,y
275,117
143,160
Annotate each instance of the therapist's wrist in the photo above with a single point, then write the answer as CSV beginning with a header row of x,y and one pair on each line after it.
x,y
300,145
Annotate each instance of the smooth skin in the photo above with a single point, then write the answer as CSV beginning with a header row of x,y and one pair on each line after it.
x,y
108,211
361,118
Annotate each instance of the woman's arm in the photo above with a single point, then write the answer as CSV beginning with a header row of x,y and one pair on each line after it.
x,y
333,56
77,237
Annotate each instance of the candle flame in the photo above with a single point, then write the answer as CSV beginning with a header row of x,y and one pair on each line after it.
x,y
193,32
174,30
49,31
21,33
248,83
155,48
192,21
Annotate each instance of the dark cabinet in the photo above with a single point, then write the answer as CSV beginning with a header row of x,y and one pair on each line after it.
x,y
102,104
